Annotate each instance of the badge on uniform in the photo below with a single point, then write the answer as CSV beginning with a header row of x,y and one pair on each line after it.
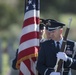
x,y
68,50
49,22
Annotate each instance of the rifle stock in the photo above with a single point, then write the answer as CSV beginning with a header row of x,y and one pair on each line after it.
x,y
60,62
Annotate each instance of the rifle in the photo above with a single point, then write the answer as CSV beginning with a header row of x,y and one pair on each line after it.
x,y
60,62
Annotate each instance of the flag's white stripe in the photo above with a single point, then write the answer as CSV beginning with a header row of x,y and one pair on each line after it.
x,y
38,13
30,28
24,69
31,13
28,44
33,66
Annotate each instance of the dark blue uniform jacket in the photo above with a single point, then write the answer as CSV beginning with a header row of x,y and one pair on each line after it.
x,y
47,57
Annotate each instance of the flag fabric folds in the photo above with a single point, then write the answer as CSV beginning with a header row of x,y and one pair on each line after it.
x,y
29,40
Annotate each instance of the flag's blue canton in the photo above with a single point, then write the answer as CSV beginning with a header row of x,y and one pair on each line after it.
x,y
32,5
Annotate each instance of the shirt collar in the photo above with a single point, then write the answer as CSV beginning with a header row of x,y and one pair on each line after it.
x,y
60,41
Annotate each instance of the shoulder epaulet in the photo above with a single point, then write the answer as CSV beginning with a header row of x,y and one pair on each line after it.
x,y
70,40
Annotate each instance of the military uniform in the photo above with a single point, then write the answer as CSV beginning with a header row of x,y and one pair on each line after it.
x,y
48,53
47,57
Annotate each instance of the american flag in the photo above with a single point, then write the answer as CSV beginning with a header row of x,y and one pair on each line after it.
x,y
29,41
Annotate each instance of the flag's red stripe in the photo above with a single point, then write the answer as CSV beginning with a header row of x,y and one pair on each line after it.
x,y
27,52
29,36
28,63
20,73
34,59
32,20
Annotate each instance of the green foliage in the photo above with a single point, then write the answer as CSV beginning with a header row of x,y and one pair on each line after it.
x,y
8,16
48,8
12,14
61,5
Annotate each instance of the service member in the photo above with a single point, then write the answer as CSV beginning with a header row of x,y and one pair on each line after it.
x,y
47,33
49,51
41,30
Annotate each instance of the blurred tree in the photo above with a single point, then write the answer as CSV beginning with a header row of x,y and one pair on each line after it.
x,y
58,6
12,13
8,16
61,5
49,9
20,6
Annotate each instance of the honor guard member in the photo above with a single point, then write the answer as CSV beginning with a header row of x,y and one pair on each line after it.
x,y
41,30
49,52
47,33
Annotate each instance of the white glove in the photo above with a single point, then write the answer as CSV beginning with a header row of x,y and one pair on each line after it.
x,y
62,55
55,73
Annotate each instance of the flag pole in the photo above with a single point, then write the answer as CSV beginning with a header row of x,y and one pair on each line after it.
x,y
25,5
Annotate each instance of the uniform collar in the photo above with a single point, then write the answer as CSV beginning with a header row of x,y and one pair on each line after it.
x,y
60,41
42,40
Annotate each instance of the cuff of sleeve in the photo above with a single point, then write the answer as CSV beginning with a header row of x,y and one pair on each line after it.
x,y
45,71
48,71
68,63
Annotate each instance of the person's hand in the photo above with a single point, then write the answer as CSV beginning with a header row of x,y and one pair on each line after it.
x,y
55,73
62,55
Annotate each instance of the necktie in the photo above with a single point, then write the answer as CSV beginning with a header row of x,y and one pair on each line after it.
x,y
58,47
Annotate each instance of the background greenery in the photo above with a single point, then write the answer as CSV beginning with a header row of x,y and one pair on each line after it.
x,y
12,15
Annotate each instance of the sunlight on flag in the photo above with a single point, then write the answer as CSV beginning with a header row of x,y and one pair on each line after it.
x,y
29,41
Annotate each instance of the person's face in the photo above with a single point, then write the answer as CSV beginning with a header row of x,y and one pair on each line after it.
x,y
56,34
47,34
41,33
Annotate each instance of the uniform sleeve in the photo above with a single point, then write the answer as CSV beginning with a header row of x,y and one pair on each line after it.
x,y
73,65
71,62
41,66
15,61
